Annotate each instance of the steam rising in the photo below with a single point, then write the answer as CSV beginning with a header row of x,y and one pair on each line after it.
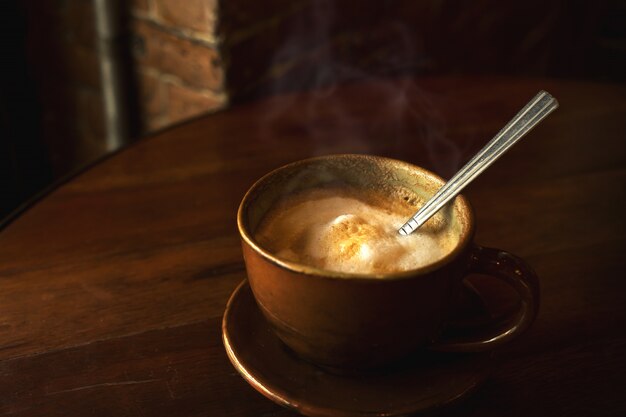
x,y
407,123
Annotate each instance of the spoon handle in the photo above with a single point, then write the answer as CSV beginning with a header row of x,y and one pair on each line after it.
x,y
534,112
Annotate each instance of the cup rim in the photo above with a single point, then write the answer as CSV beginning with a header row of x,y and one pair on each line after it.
x,y
465,238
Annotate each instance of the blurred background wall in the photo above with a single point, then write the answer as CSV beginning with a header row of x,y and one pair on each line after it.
x,y
81,78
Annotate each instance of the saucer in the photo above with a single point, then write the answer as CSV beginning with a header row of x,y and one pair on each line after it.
x,y
425,383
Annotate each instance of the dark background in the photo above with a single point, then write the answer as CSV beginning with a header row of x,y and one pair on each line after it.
x,y
274,46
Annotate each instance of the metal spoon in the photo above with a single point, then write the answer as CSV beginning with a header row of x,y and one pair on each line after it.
x,y
534,112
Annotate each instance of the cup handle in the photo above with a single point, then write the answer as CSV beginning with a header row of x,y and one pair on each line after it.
x,y
516,273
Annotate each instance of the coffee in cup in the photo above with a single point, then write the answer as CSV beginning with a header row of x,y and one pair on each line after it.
x,y
349,229
341,288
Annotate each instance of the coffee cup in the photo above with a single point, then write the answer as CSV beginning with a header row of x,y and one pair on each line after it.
x,y
352,320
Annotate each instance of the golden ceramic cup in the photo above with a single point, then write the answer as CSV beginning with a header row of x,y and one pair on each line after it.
x,y
357,321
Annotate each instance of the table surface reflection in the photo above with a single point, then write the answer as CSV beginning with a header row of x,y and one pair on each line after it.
x,y
113,285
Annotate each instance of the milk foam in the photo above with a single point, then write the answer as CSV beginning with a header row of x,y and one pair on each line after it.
x,y
343,231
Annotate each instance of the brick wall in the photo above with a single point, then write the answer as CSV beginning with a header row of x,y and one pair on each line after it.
x,y
176,62
175,70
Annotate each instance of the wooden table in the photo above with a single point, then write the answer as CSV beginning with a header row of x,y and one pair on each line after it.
x,y
112,287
